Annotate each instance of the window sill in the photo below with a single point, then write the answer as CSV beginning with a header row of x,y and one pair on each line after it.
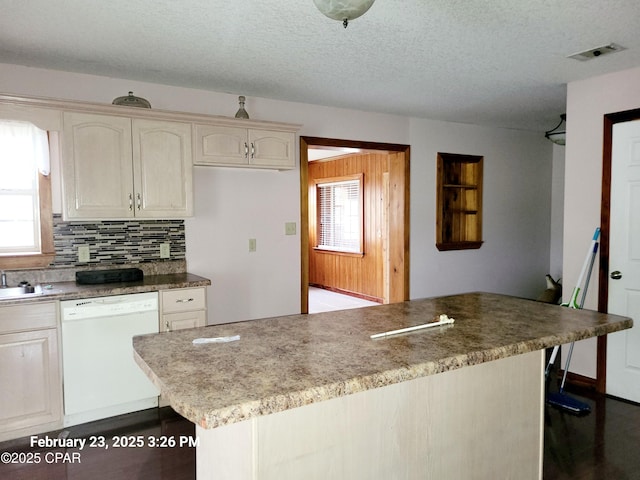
x,y
338,252
39,260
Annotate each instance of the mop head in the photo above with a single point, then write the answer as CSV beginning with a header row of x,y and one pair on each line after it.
x,y
569,404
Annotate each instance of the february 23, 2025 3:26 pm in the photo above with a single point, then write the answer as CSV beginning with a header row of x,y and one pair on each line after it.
x,y
77,445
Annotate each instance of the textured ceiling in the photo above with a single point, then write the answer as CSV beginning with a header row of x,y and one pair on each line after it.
x,y
489,62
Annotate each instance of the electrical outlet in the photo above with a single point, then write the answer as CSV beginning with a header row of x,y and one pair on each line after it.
x,y
165,250
290,228
83,254
252,244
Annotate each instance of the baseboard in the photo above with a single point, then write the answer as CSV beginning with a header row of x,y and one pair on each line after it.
x,y
580,381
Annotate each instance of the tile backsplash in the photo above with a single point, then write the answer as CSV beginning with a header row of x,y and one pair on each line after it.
x,y
116,242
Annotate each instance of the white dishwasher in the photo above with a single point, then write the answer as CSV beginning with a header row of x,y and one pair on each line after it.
x,y
101,378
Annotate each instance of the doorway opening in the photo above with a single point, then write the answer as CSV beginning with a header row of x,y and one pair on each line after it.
x,y
377,267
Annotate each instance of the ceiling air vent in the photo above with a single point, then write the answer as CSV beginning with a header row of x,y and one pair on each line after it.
x,y
596,52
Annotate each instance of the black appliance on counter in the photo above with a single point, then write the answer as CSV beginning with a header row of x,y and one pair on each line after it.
x,y
96,277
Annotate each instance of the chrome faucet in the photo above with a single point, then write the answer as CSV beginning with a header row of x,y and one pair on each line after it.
x,y
3,280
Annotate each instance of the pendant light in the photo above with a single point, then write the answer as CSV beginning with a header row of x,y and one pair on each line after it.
x,y
558,135
343,10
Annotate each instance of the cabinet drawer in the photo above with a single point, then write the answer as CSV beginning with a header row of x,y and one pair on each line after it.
x,y
183,300
34,316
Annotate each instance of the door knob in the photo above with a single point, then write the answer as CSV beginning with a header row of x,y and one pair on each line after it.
x,y
616,275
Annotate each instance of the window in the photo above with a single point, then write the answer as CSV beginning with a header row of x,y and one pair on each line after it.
x,y
340,214
25,196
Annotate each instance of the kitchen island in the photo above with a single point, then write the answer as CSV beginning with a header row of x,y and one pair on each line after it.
x,y
313,396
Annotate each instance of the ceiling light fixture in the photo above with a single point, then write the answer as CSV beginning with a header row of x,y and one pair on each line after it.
x,y
558,135
343,10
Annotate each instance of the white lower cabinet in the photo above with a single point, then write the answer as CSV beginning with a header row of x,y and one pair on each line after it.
x,y
182,320
183,308
31,385
31,399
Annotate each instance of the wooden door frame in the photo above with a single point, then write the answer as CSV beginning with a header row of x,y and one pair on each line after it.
x,y
400,281
610,120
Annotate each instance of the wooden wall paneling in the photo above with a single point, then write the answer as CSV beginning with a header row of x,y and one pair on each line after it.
x,y
397,238
398,229
358,274
384,205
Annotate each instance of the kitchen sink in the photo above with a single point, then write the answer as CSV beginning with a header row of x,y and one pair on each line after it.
x,y
17,292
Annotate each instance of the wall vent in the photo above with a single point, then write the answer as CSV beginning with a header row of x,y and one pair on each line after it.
x,y
596,52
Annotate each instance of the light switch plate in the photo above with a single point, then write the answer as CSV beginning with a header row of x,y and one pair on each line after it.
x,y
83,254
290,228
252,244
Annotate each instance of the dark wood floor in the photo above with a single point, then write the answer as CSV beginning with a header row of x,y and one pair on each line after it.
x,y
155,426
603,445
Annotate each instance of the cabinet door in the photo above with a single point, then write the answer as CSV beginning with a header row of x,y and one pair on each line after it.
x,y
162,165
30,379
97,173
219,145
179,321
272,149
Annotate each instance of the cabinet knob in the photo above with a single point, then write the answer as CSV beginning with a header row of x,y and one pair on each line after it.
x,y
130,201
253,150
246,150
167,325
184,300
139,201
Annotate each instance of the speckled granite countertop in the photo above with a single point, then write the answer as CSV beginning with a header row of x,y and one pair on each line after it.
x,y
72,290
286,362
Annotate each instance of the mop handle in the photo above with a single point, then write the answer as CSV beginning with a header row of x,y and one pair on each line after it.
x,y
586,285
574,296
591,258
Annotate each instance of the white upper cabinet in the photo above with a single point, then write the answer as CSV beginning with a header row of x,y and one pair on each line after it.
x,y
244,147
220,145
125,162
162,169
272,149
97,169
116,167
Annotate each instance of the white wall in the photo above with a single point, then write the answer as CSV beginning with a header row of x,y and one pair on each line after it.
x,y
233,205
514,258
587,102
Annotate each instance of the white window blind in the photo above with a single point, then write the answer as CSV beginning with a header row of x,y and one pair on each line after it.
x,y
23,155
339,215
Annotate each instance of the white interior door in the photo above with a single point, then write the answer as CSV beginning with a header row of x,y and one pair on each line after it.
x,y
623,348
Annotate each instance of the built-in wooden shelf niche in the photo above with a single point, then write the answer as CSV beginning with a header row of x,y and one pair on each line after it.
x,y
459,202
